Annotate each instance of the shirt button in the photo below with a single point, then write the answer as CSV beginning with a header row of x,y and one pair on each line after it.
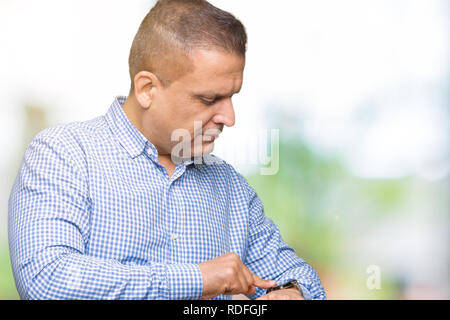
x,y
173,236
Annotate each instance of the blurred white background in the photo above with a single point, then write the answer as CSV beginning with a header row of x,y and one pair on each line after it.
x,y
366,81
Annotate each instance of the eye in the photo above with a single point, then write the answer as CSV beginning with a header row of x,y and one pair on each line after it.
x,y
208,102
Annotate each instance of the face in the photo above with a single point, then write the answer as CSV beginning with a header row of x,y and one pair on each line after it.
x,y
199,103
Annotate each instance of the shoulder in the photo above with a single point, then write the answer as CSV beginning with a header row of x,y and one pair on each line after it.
x,y
70,133
74,133
66,141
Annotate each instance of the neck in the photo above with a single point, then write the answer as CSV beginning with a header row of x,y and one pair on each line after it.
x,y
131,108
135,113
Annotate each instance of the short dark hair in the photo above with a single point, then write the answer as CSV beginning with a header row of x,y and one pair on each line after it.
x,y
173,28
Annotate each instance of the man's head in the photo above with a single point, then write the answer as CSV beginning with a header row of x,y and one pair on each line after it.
x,y
186,62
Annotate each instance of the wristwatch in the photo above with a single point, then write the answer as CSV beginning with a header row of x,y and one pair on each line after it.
x,y
287,285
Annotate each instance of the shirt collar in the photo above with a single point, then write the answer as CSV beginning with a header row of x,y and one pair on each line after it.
x,y
130,138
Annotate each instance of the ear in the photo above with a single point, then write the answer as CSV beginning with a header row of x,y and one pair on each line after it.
x,y
145,84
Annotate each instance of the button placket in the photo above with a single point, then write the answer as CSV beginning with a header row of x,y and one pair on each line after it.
x,y
172,222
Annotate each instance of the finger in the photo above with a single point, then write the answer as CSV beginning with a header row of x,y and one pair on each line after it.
x,y
252,290
263,284
257,281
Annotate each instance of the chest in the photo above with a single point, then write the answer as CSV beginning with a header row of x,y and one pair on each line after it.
x,y
138,216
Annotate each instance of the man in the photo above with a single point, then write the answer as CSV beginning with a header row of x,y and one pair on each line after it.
x,y
106,209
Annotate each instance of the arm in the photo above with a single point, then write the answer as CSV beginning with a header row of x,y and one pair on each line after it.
x,y
271,258
49,228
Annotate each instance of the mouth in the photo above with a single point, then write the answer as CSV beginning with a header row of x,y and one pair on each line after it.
x,y
209,138
211,135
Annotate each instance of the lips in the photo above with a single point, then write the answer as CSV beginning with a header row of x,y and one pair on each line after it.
x,y
210,138
212,135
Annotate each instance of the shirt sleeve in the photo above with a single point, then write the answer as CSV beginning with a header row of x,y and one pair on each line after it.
x,y
271,258
48,229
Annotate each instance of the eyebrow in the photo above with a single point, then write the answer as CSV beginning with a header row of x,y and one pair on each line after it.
x,y
213,95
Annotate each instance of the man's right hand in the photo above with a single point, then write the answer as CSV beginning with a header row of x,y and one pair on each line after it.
x,y
228,275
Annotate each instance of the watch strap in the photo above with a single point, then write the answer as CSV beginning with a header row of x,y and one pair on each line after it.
x,y
287,285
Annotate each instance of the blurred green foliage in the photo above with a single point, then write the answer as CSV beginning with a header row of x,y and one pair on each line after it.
x,y
313,200
7,286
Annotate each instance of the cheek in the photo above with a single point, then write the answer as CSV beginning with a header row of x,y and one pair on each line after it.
x,y
193,120
180,112
167,116
165,106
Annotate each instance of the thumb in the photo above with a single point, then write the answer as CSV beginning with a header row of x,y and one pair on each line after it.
x,y
263,284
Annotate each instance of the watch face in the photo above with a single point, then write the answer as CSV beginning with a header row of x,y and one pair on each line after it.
x,y
273,289
290,284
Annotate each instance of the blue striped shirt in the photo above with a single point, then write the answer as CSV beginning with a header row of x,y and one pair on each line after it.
x,y
93,215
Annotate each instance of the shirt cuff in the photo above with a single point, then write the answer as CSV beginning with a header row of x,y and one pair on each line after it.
x,y
305,292
184,281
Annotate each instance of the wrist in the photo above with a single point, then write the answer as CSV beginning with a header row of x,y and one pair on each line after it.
x,y
292,284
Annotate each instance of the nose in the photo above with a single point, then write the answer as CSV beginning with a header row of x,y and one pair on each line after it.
x,y
225,114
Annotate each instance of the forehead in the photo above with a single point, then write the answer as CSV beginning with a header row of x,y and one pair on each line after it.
x,y
215,72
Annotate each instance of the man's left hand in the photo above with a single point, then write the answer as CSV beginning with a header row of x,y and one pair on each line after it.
x,y
283,294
